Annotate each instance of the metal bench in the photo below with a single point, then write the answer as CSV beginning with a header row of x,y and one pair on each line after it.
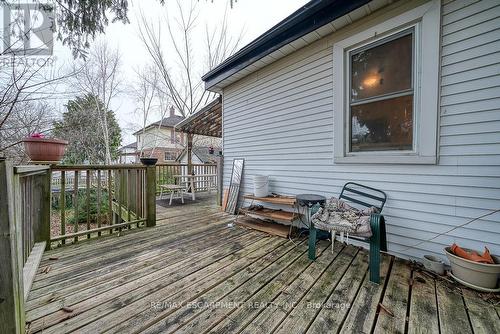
x,y
173,189
366,197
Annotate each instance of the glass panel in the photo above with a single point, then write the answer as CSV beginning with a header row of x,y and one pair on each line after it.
x,y
383,69
382,125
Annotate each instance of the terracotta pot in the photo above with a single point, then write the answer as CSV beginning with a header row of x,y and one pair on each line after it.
x,y
45,149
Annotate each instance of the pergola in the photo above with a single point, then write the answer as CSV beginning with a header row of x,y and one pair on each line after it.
x,y
205,122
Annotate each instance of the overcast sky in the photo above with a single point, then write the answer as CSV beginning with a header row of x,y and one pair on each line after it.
x,y
254,17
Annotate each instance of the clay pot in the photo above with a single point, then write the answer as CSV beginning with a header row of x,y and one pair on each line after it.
x,y
45,149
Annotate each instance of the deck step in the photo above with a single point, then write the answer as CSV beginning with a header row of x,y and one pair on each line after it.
x,y
263,226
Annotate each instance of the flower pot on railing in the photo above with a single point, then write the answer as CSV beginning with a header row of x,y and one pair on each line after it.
x,y
149,161
40,148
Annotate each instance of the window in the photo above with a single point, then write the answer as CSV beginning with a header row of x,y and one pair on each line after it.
x,y
386,90
170,156
381,95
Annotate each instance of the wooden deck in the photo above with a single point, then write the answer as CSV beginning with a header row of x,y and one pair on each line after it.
x,y
193,274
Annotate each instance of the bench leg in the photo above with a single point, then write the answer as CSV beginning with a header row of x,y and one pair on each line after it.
x,y
171,197
312,242
378,228
181,192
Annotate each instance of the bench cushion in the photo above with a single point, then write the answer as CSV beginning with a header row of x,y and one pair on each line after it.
x,y
338,216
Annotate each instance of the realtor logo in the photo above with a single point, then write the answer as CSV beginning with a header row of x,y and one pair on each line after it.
x,y
28,29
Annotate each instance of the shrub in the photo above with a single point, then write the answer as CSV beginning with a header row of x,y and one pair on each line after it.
x,y
92,207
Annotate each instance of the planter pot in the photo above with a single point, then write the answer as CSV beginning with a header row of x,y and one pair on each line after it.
x,y
44,149
149,161
210,151
477,274
434,264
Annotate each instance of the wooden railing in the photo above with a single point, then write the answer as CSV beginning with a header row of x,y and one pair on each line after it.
x,y
165,174
85,201
24,234
93,200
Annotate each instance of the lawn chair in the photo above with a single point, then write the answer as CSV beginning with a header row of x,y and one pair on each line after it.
x,y
366,197
176,191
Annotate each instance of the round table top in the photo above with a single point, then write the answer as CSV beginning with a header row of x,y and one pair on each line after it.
x,y
310,199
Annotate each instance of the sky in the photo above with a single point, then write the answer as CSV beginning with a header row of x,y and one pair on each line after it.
x,y
252,17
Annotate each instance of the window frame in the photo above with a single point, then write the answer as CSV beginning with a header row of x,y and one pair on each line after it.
x,y
412,29
425,22
169,152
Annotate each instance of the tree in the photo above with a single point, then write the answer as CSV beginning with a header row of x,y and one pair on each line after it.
x,y
99,77
78,22
34,116
180,78
79,127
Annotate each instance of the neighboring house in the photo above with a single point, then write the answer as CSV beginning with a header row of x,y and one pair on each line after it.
x,y
201,155
128,154
400,95
160,140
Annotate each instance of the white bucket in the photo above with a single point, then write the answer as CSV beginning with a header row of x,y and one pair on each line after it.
x,y
260,185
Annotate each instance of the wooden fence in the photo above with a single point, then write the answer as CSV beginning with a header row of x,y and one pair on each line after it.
x,y
172,174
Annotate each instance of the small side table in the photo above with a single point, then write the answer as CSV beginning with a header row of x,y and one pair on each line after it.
x,y
307,201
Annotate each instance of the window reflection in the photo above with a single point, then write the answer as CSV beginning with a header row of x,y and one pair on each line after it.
x,y
381,106
382,125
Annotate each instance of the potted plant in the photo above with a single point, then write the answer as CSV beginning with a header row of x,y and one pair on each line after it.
x,y
210,150
40,148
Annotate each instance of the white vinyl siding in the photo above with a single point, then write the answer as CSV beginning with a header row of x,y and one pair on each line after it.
x,y
280,119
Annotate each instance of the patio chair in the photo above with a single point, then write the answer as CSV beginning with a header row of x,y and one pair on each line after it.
x,y
366,197
173,189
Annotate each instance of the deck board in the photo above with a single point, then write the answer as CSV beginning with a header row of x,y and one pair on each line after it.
x,y
193,273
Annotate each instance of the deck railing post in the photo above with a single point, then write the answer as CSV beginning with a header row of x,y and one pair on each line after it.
x,y
45,207
220,168
11,283
150,196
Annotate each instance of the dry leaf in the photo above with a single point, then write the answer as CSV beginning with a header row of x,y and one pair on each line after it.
x,y
67,309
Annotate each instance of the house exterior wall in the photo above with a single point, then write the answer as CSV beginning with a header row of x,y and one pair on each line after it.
x,y
280,119
154,137
184,159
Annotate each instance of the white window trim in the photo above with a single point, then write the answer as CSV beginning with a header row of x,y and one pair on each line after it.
x,y
426,19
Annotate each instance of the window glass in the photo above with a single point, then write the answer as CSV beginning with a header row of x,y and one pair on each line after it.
x,y
381,106
382,69
382,125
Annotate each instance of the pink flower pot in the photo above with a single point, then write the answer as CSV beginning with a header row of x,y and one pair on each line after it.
x,y
44,149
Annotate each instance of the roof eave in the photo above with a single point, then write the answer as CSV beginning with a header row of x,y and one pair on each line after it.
x,y
310,17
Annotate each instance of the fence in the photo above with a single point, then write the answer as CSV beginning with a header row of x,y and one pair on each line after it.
x,y
175,174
